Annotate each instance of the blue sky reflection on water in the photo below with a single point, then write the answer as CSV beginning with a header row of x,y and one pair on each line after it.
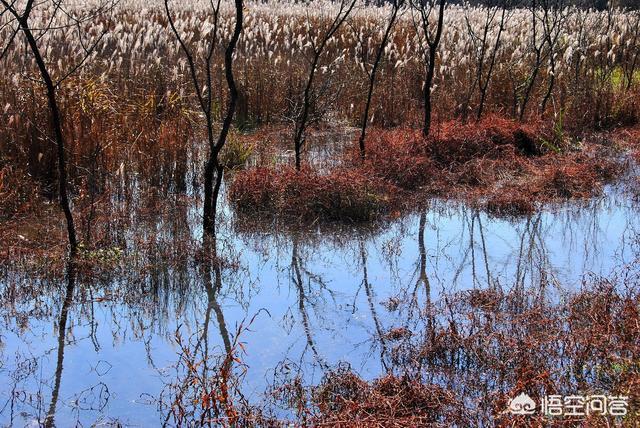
x,y
320,311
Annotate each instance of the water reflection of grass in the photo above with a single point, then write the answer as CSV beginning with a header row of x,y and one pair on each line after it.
x,y
451,358
450,346
469,353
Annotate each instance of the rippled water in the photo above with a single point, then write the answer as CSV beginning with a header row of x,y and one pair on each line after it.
x,y
319,298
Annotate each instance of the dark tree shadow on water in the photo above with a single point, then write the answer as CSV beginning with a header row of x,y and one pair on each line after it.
x,y
62,329
206,388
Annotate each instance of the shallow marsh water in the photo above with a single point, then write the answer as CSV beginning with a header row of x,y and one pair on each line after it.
x,y
107,349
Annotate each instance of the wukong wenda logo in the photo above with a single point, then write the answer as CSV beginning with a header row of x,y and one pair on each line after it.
x,y
522,405
569,405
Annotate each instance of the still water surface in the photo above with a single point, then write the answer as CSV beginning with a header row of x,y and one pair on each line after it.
x,y
318,298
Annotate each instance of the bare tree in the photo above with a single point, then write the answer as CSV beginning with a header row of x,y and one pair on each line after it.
x,y
486,50
431,34
546,18
308,97
396,6
203,88
553,19
59,17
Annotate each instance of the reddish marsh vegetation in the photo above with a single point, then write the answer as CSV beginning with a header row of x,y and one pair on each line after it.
x,y
343,194
458,362
215,66
498,163
136,116
472,351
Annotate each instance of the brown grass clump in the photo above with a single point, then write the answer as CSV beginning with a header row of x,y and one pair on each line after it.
x,y
456,143
397,157
343,194
344,399
503,166
509,204
572,181
549,178
455,155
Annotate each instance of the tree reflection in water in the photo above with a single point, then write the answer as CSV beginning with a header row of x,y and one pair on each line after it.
x,y
482,308
62,331
206,387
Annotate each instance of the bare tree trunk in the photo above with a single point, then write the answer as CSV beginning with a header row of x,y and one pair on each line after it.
x,y
306,103
205,100
537,64
54,111
552,26
211,194
426,128
209,169
547,95
527,94
433,45
56,123
484,86
301,120
397,4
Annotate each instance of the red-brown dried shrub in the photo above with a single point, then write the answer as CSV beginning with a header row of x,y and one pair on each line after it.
x,y
499,164
574,175
343,194
457,143
254,190
463,154
398,157
344,399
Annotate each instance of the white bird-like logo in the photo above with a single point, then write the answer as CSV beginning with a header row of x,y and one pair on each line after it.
x,y
522,405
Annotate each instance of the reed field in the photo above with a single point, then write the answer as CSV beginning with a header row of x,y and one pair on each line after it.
x,y
135,87
318,213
